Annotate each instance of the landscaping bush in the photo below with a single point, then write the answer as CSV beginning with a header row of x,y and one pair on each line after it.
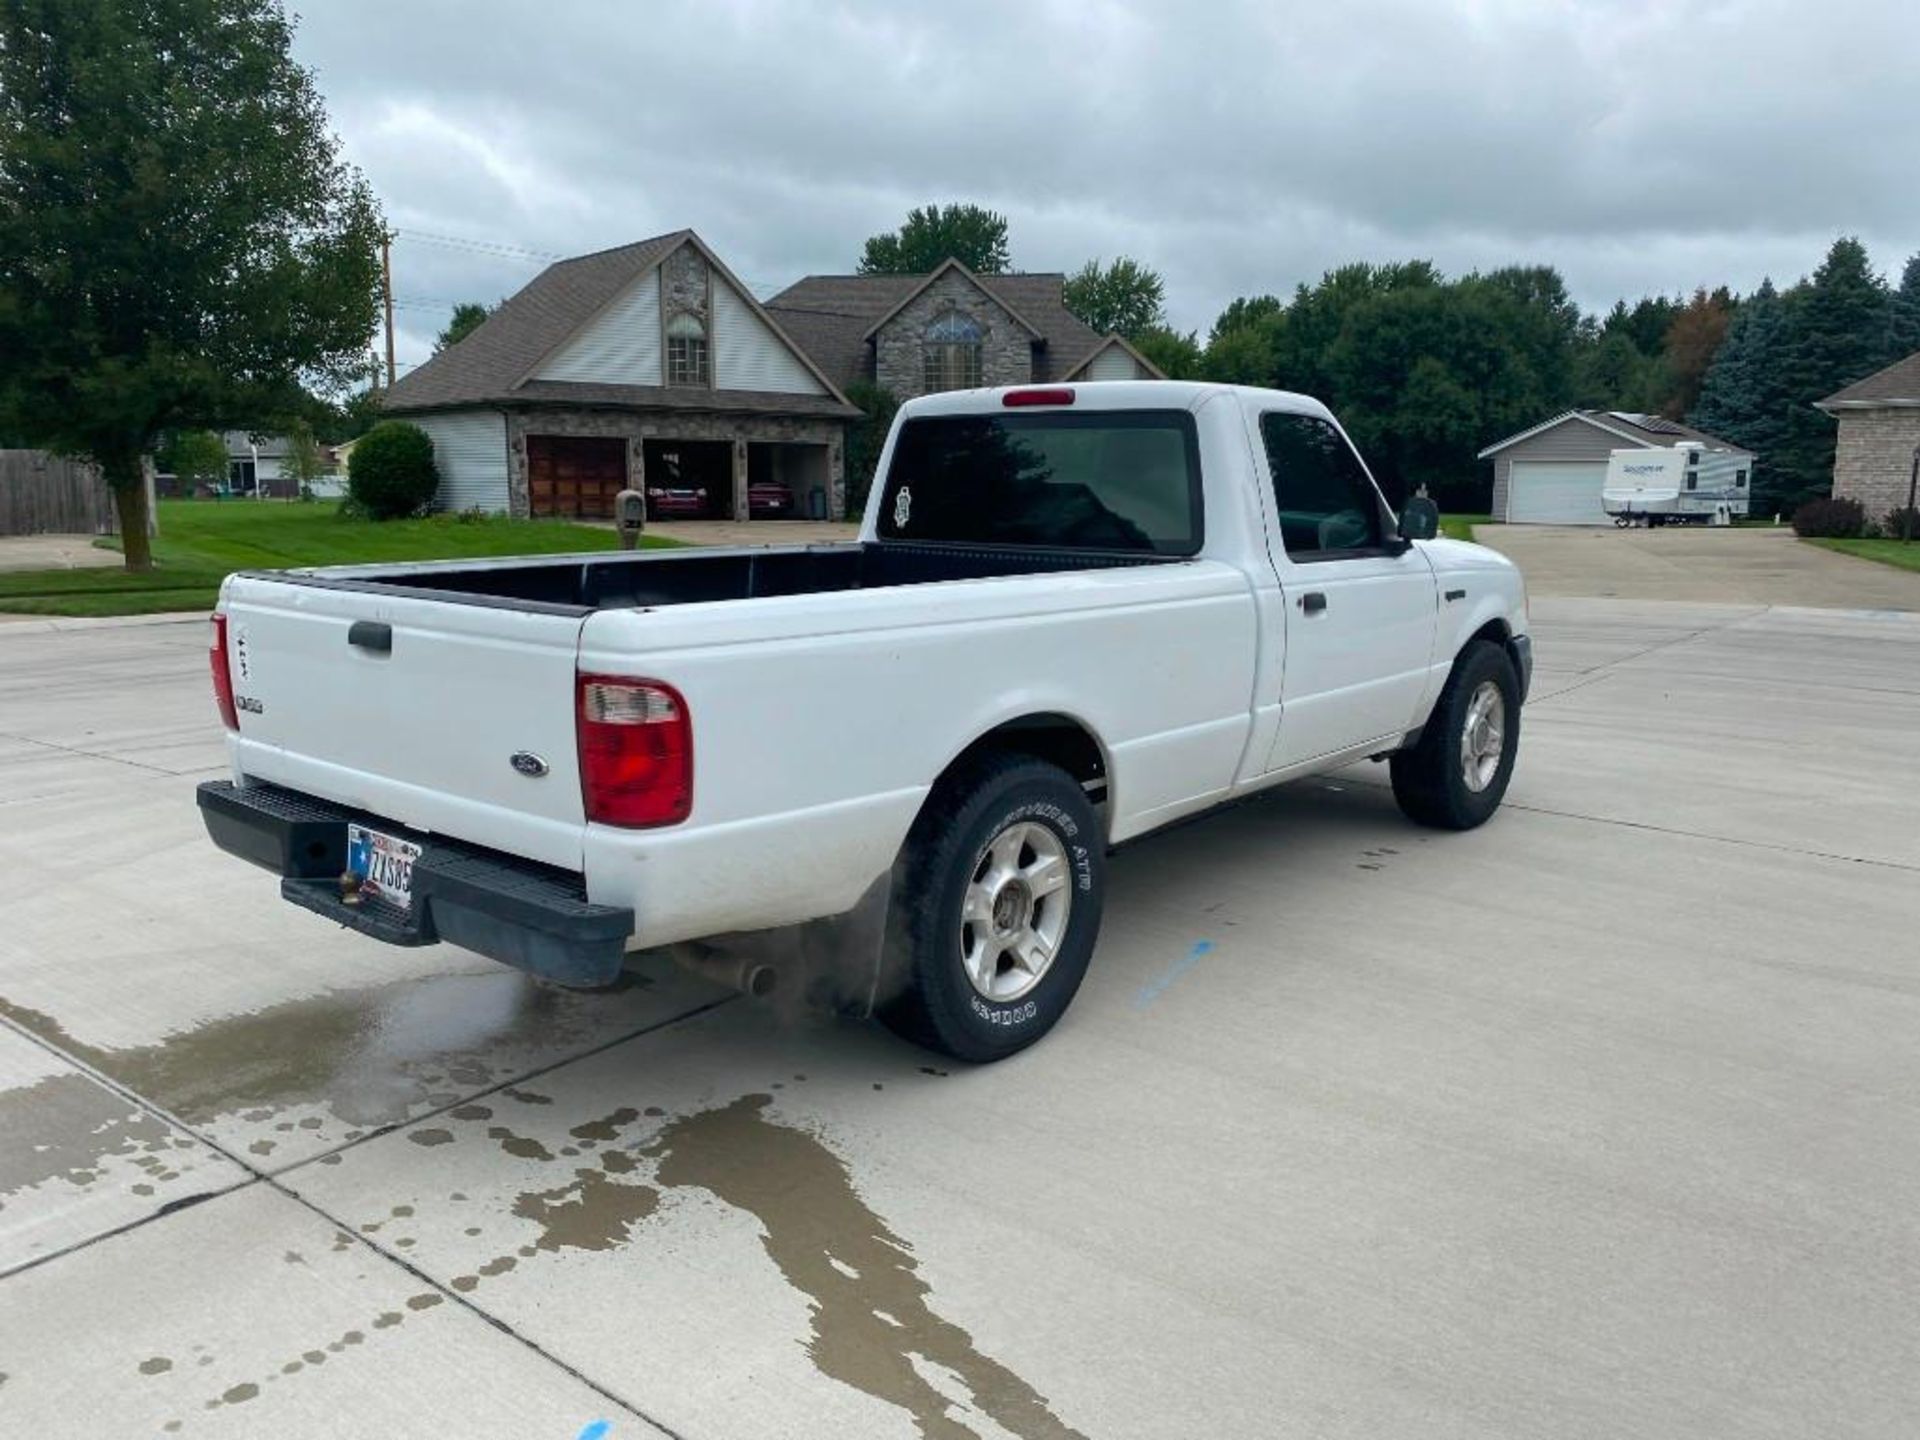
x,y
391,474
1897,521
1834,519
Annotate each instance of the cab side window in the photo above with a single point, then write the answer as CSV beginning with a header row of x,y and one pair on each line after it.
x,y
1328,507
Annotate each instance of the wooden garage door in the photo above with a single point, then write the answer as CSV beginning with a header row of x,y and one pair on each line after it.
x,y
574,477
1565,493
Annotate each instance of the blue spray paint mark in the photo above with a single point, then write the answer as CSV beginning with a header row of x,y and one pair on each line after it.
x,y
1155,989
596,1430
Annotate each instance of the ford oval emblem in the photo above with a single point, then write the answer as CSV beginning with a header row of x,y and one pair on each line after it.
x,y
528,764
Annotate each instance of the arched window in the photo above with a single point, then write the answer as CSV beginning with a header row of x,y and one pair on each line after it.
x,y
952,345
686,350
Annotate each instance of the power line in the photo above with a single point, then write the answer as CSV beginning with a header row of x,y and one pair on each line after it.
x,y
502,249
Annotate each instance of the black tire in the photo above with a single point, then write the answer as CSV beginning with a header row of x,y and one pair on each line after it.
x,y
1430,779
934,1003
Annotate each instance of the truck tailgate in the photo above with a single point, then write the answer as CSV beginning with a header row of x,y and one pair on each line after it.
x,y
449,718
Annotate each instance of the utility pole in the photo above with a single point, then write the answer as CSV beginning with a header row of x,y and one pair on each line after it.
x,y
386,288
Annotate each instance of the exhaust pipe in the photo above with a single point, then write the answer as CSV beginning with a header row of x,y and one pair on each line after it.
x,y
753,978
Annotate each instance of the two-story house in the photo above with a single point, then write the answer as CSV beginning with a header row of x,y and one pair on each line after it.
x,y
651,366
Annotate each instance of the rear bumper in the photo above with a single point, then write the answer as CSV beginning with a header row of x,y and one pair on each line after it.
x,y
1522,646
530,916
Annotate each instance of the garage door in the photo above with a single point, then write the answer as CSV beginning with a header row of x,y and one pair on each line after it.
x,y
1557,494
574,476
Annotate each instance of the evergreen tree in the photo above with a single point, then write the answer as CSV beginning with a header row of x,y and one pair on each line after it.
x,y
1744,396
1904,327
1841,332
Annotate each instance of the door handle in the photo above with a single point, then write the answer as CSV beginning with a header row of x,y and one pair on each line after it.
x,y
1313,602
373,635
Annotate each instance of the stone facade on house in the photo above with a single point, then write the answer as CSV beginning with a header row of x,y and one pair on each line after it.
x,y
1873,458
1006,346
638,427
686,284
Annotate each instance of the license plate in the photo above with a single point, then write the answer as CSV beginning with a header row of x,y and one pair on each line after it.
x,y
384,864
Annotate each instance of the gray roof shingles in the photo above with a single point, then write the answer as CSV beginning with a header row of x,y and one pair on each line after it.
x,y
490,366
825,315
829,315
1898,384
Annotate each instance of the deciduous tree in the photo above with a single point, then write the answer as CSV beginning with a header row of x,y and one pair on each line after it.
x,y
1123,298
180,243
468,316
932,235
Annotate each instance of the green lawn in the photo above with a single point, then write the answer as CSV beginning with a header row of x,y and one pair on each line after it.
x,y
1887,552
1460,527
201,541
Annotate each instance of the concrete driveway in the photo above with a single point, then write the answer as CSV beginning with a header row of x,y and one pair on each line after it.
x,y
1596,1122
54,552
1738,565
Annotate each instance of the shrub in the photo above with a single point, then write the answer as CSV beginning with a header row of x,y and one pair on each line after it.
x,y
1897,521
391,473
1838,519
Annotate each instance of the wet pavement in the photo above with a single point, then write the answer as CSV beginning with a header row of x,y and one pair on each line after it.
x,y
1594,1122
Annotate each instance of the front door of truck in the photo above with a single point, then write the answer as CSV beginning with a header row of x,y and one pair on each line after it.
x,y
1360,604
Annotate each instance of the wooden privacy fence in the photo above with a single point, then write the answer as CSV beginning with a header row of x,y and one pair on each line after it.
x,y
42,494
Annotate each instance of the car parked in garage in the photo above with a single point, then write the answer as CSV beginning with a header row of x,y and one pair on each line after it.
x,y
677,502
769,500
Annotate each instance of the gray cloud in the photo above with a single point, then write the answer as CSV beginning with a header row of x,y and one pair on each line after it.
x,y
1641,145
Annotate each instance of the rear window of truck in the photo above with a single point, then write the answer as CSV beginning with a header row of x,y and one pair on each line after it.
x,y
1099,480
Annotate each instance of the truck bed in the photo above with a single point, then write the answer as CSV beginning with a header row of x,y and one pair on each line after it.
x,y
578,584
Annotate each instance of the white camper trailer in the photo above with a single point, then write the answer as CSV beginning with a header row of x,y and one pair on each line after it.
x,y
1685,485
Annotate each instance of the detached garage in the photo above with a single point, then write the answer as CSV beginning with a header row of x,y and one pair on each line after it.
x,y
1554,473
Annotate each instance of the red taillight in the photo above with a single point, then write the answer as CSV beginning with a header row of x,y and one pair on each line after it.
x,y
636,751
222,675
1059,395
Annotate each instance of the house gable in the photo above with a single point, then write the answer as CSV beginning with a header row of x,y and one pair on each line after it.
x,y
899,337
1115,359
622,344
618,346
749,354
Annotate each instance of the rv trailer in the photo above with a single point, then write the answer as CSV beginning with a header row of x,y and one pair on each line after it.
x,y
1685,485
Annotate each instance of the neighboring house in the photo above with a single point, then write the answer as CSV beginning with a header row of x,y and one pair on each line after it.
x,y
1879,437
650,367
257,466
916,334
1553,473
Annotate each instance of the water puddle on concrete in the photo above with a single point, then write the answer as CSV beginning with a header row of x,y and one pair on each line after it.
x,y
871,1310
368,1058
873,1323
66,1127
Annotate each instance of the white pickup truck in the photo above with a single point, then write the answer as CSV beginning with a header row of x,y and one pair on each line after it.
x,y
893,766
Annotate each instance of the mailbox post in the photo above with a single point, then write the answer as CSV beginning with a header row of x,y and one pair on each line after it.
x,y
629,517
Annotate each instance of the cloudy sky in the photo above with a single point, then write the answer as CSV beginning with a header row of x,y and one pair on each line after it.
x,y
1638,145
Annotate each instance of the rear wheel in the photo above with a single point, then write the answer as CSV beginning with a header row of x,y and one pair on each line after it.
x,y
1456,776
996,909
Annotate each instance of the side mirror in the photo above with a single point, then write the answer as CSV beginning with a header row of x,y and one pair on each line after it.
x,y
1419,519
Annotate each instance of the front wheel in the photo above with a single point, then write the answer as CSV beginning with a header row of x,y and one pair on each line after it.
x,y
996,909
1456,776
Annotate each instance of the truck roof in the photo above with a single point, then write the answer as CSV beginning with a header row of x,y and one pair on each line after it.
x,y
1113,395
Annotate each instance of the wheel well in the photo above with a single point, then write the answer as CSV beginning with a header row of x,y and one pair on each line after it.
x,y
1494,631
1057,739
